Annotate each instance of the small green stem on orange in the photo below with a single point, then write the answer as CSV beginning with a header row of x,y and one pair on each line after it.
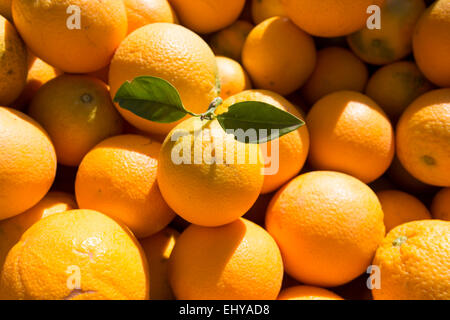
x,y
399,241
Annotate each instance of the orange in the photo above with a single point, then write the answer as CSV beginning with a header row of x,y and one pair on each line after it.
x,y
400,207
440,207
233,262
431,43
206,176
233,78
414,262
158,249
28,163
394,40
329,18
327,225
307,293
423,138
336,69
78,113
395,86
264,9
279,56
288,160
118,178
12,229
257,212
143,12
5,9
173,53
75,36
75,255
13,64
206,16
350,133
101,74
230,41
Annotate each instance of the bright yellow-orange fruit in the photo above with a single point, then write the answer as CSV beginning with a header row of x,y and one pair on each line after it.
x,y
307,293
423,138
350,133
329,18
238,261
75,36
206,16
75,255
233,78
5,9
327,225
440,207
118,178
173,53
230,41
393,41
264,9
279,56
414,262
431,43
77,113
336,69
158,249
143,12
28,162
284,157
400,207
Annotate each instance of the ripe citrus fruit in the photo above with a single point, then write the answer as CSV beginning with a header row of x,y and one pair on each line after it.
x,y
293,148
278,55
423,138
206,16
72,35
395,86
350,133
265,9
28,162
118,178
173,53
13,64
77,113
5,9
75,255
414,262
143,12
230,41
158,249
400,207
393,41
336,69
327,225
329,18
440,207
237,261
307,293
431,43
233,78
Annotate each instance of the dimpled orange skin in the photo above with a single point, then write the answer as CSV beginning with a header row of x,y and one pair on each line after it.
x,y
206,16
233,78
329,18
336,69
173,53
351,134
12,229
143,12
400,207
238,261
27,162
44,26
423,138
118,178
109,260
230,41
431,43
292,148
279,56
307,293
440,207
327,225
77,112
414,262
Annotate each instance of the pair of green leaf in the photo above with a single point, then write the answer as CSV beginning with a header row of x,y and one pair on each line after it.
x,y
157,100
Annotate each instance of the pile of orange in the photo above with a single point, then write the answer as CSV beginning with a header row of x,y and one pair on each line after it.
x,y
97,202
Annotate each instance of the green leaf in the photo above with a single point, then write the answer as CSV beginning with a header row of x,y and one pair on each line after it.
x,y
151,98
253,116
